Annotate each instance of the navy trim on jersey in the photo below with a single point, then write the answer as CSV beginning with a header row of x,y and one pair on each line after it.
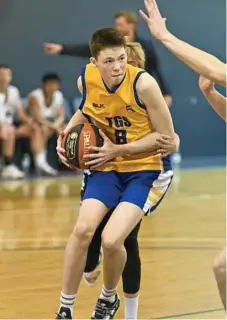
x,y
87,117
167,163
114,88
140,104
84,93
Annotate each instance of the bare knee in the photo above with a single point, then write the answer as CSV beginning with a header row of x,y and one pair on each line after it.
x,y
83,233
7,132
110,244
219,265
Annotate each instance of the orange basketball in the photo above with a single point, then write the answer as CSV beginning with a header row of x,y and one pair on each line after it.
x,y
77,141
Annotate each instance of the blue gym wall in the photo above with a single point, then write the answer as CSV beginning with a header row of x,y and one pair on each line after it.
x,y
26,24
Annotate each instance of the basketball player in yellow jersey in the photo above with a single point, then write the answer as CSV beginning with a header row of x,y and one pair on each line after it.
x,y
127,104
211,71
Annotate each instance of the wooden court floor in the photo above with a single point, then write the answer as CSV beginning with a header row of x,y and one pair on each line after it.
x,y
177,243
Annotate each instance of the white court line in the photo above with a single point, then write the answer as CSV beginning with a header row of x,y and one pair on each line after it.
x,y
142,239
182,239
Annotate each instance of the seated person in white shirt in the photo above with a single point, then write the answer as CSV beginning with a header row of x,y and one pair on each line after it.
x,y
10,105
46,107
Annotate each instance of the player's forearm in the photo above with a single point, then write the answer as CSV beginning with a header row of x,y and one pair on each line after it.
x,y
146,144
217,101
76,119
24,118
200,61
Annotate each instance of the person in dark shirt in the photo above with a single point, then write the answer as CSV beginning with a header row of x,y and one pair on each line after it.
x,y
126,23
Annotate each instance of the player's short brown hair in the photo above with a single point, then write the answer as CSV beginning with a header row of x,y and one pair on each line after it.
x,y
130,16
105,38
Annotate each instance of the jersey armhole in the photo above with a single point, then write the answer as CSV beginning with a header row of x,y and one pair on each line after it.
x,y
139,103
84,93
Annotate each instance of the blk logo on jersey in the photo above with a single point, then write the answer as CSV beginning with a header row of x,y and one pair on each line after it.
x,y
130,109
98,106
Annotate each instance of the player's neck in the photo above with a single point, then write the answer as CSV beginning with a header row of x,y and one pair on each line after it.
x,y
131,36
47,97
111,85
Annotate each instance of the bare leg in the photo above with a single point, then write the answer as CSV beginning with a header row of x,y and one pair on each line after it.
x,y
219,268
38,138
113,242
35,135
76,249
8,136
8,143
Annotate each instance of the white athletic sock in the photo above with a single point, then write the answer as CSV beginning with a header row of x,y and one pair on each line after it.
x,y
40,158
131,307
108,295
67,301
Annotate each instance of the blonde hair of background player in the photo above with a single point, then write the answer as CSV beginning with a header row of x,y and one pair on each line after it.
x,y
135,53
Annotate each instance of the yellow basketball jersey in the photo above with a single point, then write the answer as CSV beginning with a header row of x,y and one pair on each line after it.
x,y
121,116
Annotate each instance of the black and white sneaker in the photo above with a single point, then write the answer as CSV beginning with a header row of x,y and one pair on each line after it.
x,y
64,313
105,309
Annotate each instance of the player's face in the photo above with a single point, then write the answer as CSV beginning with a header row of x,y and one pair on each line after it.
x,y
111,63
51,86
123,26
5,77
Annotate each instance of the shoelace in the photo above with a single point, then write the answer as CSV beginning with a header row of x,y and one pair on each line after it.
x,y
99,310
102,310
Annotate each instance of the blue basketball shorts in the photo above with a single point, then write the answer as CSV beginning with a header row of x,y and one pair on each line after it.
x,y
145,189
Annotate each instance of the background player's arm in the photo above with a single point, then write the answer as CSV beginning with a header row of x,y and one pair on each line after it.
x,y
200,61
33,104
215,99
23,115
75,50
60,118
153,143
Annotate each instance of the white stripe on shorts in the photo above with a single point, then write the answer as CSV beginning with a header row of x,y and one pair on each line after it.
x,y
158,190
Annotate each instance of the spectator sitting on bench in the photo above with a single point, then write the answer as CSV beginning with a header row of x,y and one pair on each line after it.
x,y
46,107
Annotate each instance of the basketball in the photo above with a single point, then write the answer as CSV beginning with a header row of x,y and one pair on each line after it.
x,y
77,141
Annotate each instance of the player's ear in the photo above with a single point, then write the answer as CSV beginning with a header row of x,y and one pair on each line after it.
x,y
93,61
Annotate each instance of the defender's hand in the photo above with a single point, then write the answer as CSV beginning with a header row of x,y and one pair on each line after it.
x,y
155,22
205,84
99,156
168,145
